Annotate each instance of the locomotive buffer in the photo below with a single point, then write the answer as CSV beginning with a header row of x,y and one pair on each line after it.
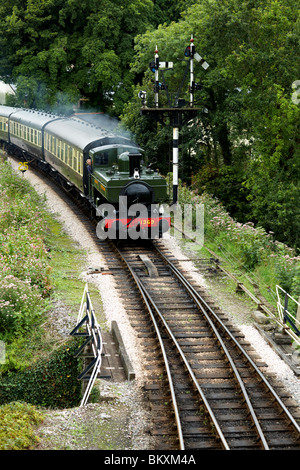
x,y
177,112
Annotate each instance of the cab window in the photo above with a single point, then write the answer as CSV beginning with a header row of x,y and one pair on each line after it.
x,y
101,159
109,156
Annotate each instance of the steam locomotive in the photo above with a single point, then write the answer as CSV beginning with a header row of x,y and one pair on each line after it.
x,y
107,171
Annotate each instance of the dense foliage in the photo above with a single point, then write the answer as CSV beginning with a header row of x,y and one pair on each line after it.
x,y
244,145
51,379
24,266
50,383
249,251
58,51
18,421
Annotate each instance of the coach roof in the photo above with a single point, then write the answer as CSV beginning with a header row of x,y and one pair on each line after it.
x,y
80,134
32,118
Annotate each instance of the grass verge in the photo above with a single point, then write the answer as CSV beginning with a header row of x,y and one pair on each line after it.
x,y
39,265
249,252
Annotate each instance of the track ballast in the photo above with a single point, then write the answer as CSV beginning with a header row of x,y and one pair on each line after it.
x,y
201,395
208,391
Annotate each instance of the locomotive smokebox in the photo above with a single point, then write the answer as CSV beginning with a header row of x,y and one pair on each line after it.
x,y
138,192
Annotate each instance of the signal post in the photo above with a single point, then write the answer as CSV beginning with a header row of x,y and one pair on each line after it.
x,y
177,111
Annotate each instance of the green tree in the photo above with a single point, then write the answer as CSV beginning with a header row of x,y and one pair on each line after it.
x,y
56,51
249,134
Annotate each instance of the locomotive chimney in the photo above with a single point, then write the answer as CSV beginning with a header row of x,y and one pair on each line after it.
x,y
134,163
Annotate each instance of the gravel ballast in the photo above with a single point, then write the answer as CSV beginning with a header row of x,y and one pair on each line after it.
x,y
59,428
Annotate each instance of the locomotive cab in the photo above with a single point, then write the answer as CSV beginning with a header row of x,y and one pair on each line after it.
x,y
112,167
113,157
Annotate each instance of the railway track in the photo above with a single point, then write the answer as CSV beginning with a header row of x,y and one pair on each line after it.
x,y
206,389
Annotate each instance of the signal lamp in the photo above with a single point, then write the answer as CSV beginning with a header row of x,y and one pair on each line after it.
x,y
152,66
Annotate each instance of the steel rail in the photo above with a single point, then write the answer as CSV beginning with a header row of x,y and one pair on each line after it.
x,y
258,302
199,300
254,418
190,371
234,369
171,385
146,296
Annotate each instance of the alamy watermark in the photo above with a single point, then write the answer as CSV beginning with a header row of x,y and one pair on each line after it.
x,y
2,352
140,222
296,94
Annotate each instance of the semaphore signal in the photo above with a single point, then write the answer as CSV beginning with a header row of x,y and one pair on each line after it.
x,y
177,111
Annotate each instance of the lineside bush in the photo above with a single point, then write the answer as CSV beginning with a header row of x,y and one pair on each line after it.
x,y
50,383
24,267
17,423
248,248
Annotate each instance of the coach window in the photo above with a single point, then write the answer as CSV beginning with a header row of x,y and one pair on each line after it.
x,y
80,157
70,156
80,163
66,154
75,152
